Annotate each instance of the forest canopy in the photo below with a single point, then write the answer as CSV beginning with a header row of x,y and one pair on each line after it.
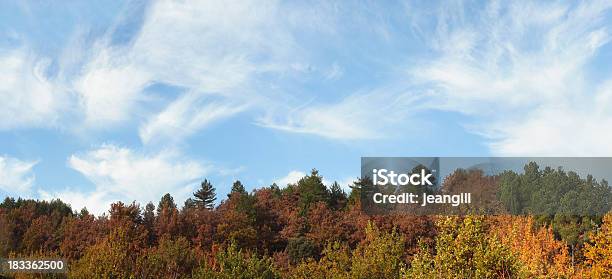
x,y
310,230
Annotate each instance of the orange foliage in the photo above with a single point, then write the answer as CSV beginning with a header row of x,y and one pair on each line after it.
x,y
599,253
536,247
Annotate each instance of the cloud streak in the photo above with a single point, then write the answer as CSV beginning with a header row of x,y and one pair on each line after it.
x,y
29,98
16,176
521,69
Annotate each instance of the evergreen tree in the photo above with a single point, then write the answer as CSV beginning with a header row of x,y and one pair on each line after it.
x,y
149,221
166,202
205,196
312,190
189,203
337,199
237,187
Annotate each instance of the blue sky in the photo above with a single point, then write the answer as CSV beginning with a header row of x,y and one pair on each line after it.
x,y
105,101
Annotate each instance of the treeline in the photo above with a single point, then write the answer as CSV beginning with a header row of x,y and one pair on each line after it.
x,y
304,230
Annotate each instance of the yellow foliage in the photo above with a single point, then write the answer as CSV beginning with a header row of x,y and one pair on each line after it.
x,y
599,253
464,249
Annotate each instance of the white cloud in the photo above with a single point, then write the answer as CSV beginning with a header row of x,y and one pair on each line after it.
x,y
566,129
127,175
344,183
16,176
109,87
291,178
295,175
205,48
522,68
371,115
28,98
184,116
96,202
515,66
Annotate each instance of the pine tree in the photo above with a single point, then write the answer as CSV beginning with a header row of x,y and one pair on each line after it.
x,y
189,203
237,187
312,190
166,202
337,199
205,196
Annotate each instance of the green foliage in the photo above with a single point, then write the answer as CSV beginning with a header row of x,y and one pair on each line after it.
x,y
166,203
511,192
464,249
148,220
189,204
553,191
237,187
300,248
312,190
570,204
380,255
232,263
337,196
205,196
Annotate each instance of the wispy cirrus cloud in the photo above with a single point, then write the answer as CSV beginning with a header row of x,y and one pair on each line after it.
x,y
184,117
522,69
210,50
29,98
206,49
360,116
16,176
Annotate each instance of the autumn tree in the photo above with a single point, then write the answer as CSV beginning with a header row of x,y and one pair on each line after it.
x,y
334,263
380,255
80,233
169,259
41,236
167,220
327,225
234,263
598,251
268,223
114,257
464,249
17,216
540,254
